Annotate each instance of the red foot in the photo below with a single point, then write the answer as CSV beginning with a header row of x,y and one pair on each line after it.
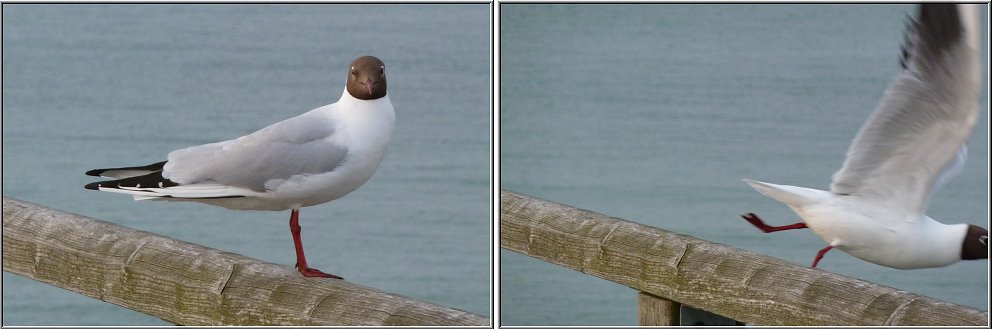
x,y
298,247
758,223
821,253
315,273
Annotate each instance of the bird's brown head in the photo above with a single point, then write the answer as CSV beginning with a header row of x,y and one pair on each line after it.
x,y
367,78
975,243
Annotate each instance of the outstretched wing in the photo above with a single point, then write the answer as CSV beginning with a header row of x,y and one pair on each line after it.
x,y
918,130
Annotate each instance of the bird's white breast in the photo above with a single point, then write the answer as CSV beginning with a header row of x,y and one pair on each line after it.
x,y
365,128
882,236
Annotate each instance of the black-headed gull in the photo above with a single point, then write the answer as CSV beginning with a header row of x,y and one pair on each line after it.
x,y
309,159
912,143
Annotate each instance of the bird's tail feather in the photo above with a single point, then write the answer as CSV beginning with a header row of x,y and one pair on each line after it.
x,y
790,195
153,186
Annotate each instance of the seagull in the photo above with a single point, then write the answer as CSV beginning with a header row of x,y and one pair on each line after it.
x,y
912,144
306,160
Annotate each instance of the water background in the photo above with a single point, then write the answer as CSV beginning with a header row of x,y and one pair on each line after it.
x,y
91,86
654,113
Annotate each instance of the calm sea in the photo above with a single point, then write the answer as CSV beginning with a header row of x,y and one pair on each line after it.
x,y
90,86
654,113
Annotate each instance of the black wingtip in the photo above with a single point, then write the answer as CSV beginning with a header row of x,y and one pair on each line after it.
x,y
935,28
153,180
158,166
94,172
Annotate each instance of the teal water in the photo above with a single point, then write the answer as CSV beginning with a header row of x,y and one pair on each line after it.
x,y
651,113
91,86
654,113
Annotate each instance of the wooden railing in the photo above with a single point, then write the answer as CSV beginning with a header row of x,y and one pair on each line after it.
x,y
189,284
670,269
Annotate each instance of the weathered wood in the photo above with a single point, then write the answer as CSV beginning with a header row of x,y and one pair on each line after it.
x,y
657,311
727,281
189,284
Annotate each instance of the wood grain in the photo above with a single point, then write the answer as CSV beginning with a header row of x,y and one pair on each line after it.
x,y
657,311
189,284
738,284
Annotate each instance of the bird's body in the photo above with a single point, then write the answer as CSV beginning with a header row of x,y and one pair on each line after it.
x,y
319,156
313,158
870,232
912,144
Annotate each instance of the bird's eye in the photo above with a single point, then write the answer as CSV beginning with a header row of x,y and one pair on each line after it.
x,y
381,71
354,72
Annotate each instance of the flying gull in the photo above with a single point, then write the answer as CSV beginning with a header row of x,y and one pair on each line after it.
x,y
912,144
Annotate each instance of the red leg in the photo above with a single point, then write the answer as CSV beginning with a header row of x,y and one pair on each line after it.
x,y
299,247
821,253
758,223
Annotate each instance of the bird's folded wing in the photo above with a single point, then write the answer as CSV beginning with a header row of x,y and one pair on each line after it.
x,y
303,145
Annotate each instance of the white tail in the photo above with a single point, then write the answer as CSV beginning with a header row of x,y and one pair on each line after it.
x,y
790,195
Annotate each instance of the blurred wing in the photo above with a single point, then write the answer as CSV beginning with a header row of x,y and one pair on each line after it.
x,y
926,115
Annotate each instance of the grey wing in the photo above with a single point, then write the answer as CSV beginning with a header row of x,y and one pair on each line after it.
x,y
915,138
302,145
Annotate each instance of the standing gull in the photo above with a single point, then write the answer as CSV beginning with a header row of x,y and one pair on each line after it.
x,y
912,144
306,160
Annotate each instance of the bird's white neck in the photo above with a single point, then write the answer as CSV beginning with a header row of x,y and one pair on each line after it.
x,y
940,239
